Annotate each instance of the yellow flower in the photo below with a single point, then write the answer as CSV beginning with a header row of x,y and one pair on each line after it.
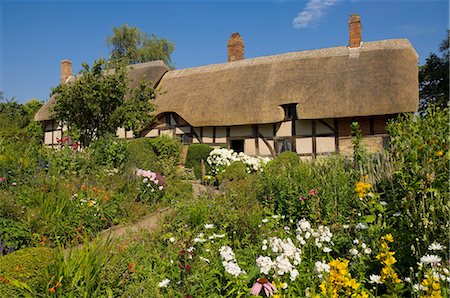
x,y
436,286
389,238
439,153
390,261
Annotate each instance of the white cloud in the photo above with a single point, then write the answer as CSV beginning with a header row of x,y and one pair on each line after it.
x,y
313,10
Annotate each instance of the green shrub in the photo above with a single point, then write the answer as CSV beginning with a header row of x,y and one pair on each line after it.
x,y
419,186
141,155
166,147
236,171
25,268
13,235
108,151
196,153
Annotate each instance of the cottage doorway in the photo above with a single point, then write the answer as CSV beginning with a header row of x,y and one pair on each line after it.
x,y
237,145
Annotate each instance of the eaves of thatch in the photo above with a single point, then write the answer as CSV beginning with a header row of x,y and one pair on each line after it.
x,y
148,71
377,78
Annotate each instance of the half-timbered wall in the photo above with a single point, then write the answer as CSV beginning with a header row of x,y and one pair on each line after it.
x,y
305,137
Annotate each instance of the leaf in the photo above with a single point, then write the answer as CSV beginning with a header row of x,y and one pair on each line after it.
x,y
368,218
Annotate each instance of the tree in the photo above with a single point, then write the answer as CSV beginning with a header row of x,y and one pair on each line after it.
x,y
434,79
129,46
94,105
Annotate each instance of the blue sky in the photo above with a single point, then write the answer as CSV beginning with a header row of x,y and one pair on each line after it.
x,y
37,35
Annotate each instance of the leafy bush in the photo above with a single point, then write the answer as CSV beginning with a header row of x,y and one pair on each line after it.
x,y
236,171
195,155
24,270
141,155
166,147
419,186
108,151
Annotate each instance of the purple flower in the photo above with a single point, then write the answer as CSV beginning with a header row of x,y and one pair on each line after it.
x,y
260,284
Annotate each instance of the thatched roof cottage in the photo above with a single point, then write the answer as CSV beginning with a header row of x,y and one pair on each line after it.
x,y
300,101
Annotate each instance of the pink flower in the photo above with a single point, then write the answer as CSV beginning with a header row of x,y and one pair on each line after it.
x,y
263,283
302,198
2,179
313,192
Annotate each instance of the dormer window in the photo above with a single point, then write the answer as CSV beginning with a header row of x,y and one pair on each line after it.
x,y
290,111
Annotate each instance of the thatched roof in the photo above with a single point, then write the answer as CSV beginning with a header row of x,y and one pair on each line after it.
x,y
149,71
376,79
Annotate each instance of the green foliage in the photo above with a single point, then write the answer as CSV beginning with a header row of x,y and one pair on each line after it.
x,y
236,171
24,270
94,104
419,186
196,153
134,114
433,79
168,153
87,105
129,46
359,152
320,189
140,154
109,151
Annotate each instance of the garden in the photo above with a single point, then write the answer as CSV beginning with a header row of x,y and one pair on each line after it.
x,y
370,225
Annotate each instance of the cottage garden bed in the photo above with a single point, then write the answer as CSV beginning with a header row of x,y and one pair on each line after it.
x,y
377,225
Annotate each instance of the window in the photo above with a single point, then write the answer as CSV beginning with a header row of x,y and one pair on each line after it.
x,y
237,145
290,111
283,145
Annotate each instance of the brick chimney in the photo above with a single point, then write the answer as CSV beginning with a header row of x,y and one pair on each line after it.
x,y
66,70
355,28
235,48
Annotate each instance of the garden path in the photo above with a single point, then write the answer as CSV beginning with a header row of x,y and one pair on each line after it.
x,y
150,222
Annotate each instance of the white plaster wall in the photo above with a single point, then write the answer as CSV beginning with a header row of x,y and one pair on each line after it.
x,y
249,147
152,133
304,145
285,129
221,135
263,149
325,144
207,135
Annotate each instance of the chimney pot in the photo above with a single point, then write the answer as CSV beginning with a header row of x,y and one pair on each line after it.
x,y
66,70
355,30
235,48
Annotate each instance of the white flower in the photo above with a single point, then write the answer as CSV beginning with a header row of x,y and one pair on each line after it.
x,y
356,241
397,214
199,240
368,251
204,259
264,264
293,275
226,253
190,249
375,279
172,239
264,241
346,226
275,216
264,247
383,203
353,251
430,259
233,268
209,226
264,220
164,283
326,249
361,226
321,267
436,246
